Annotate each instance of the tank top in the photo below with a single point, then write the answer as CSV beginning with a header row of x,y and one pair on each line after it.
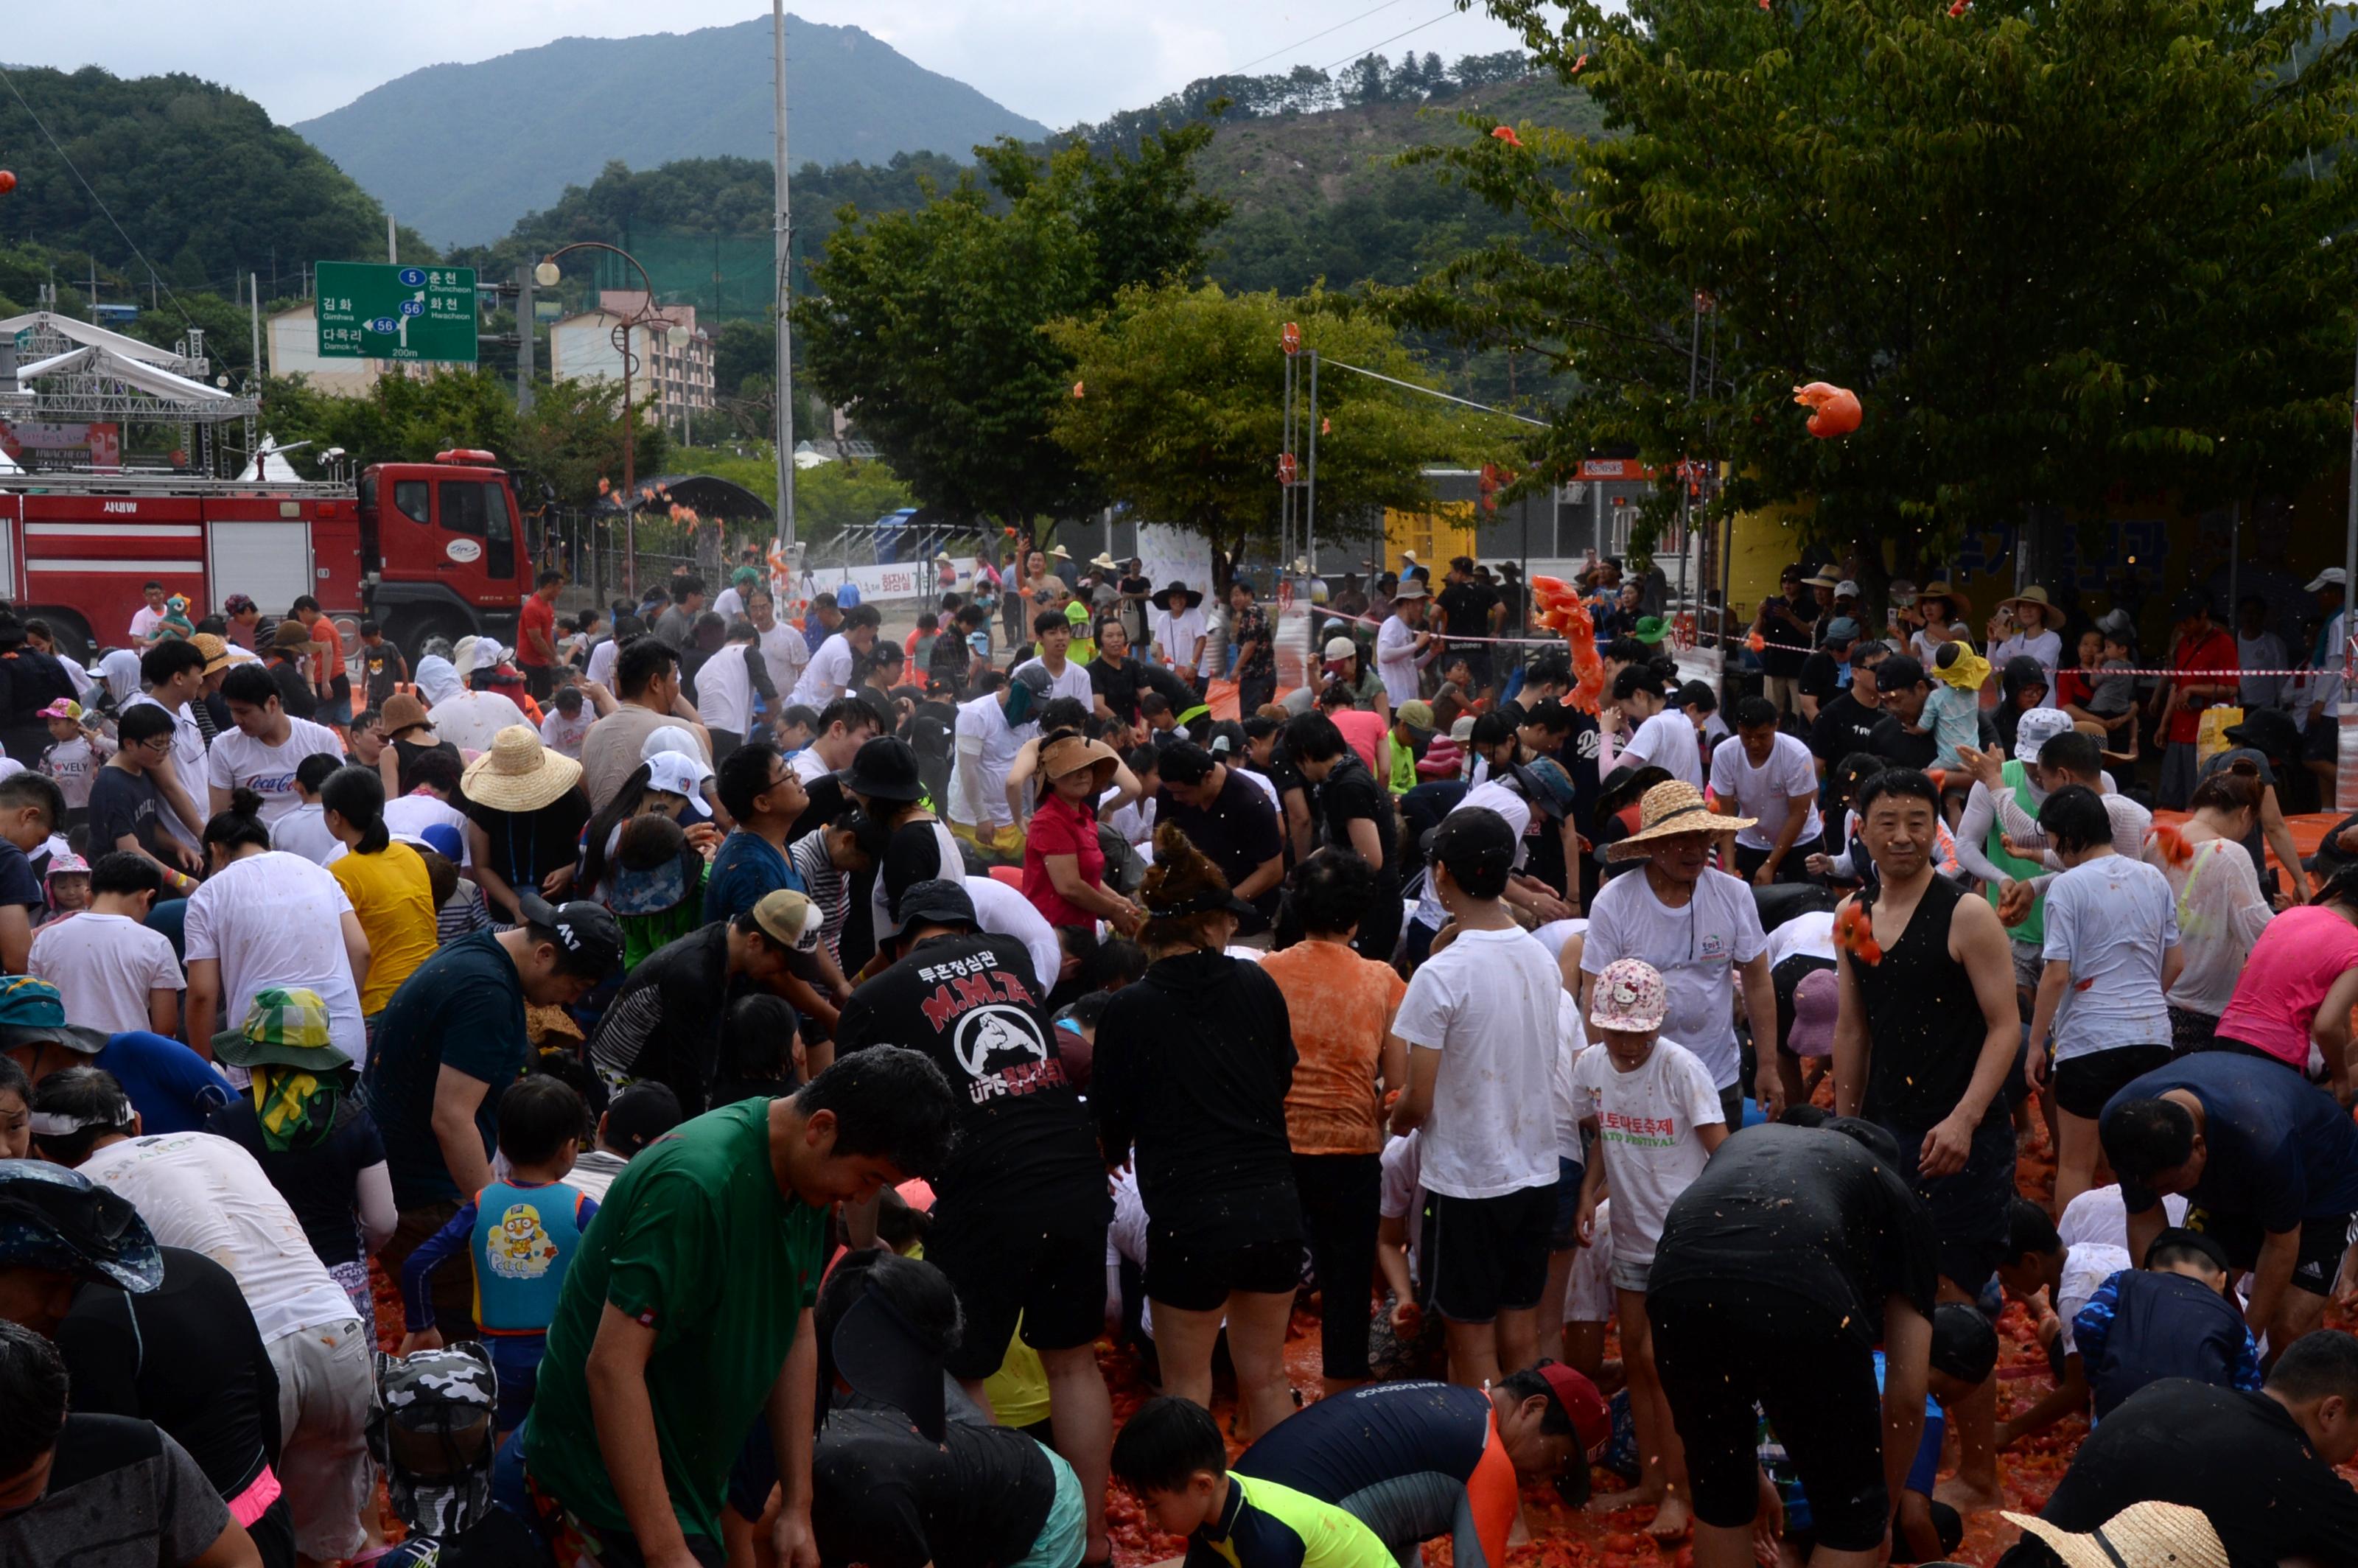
x,y
2034,929
1924,1023
524,1239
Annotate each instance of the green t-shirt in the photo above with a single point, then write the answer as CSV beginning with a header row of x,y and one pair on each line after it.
x,y
695,1240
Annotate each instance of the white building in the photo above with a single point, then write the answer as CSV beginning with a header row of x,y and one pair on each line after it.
x,y
291,341
672,368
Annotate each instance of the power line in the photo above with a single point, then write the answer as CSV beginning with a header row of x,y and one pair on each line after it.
x,y
1380,43
96,199
1314,37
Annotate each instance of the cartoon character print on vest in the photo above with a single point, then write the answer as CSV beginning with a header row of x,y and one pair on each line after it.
x,y
522,1250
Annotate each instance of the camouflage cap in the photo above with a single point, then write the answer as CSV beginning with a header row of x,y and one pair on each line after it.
x,y
430,1429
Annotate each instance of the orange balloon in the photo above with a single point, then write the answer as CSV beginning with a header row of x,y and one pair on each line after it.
x,y
1834,410
1507,133
7,181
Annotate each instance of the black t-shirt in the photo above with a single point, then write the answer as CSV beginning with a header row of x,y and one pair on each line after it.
x,y
405,753
319,1179
886,1495
1821,676
121,802
915,854
1024,1153
1192,1067
1173,687
2241,1458
294,690
1119,686
1350,792
1843,726
526,846
1467,605
382,669
1895,743
184,1355
151,1499
1239,834
1805,1210
1778,657
1348,1443
665,1023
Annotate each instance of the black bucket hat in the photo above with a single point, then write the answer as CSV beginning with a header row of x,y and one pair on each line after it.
x,y
885,769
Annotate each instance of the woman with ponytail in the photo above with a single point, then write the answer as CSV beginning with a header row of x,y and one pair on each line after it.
x,y
264,919
2222,910
391,890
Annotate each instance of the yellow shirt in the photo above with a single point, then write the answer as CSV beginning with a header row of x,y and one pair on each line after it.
x,y
393,898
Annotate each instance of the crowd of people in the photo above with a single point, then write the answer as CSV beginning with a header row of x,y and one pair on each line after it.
x,y
708,1084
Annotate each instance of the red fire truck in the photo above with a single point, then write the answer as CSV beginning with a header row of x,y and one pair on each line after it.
x,y
427,549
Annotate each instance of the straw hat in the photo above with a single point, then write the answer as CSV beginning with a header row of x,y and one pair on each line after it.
x,y
1060,554
1071,754
2142,1535
2050,615
1105,562
1671,809
404,713
519,774
214,649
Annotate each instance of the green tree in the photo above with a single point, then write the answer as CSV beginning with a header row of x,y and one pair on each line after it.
x,y
2059,248
403,418
929,322
573,439
1178,414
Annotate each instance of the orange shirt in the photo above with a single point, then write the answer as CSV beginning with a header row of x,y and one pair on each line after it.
x,y
1341,1005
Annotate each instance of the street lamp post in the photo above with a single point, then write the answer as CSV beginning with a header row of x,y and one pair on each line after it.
x,y
546,274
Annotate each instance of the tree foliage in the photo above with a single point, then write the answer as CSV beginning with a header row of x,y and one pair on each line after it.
x,y
2062,249
1178,413
197,173
929,322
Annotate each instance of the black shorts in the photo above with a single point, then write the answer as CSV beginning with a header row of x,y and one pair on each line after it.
x,y
540,680
1969,1207
1190,1276
2322,1240
1719,1347
1793,868
1054,1281
2190,1031
2085,1085
1486,1256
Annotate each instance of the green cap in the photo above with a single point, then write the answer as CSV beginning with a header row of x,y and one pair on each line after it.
x,y
282,1027
1651,629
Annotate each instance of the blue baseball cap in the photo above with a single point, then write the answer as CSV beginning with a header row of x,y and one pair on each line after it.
x,y
32,1013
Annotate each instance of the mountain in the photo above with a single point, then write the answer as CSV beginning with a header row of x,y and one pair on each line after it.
x,y
459,151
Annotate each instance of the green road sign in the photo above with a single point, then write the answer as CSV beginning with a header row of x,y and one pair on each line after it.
x,y
371,310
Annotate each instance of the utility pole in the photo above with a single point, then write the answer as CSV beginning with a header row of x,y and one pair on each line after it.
x,y
786,378
391,253
525,310
254,292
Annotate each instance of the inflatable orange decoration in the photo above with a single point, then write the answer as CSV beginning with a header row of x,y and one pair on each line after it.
x,y
1507,133
1834,410
1855,935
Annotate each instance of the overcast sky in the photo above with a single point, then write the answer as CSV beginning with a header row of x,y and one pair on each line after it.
x,y
1055,60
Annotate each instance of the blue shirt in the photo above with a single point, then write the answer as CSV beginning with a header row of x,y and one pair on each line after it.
x,y
2281,1150
171,1087
746,866
2142,1325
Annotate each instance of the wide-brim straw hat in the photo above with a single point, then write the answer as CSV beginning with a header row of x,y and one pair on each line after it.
x,y
1671,810
519,774
1072,753
2051,615
2142,1535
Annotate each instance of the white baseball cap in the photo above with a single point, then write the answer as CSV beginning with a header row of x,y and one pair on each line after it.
x,y
2332,577
2035,728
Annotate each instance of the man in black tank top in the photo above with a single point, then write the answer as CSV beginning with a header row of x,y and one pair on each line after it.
x,y
1927,1031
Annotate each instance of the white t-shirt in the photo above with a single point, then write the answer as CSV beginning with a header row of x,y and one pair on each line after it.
x,y
784,650
1396,660
238,761
808,766
563,735
986,747
2111,918
827,676
144,621
1646,1123
304,831
1667,739
1174,636
1571,1041
1489,797
103,966
1556,933
1697,948
724,689
188,767
1488,1003
275,919
2085,1269
2046,648
1401,1196
471,719
728,603
1811,935
1135,822
601,668
2100,1215
1767,792
1005,912
408,817
71,763
207,1194
1074,682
